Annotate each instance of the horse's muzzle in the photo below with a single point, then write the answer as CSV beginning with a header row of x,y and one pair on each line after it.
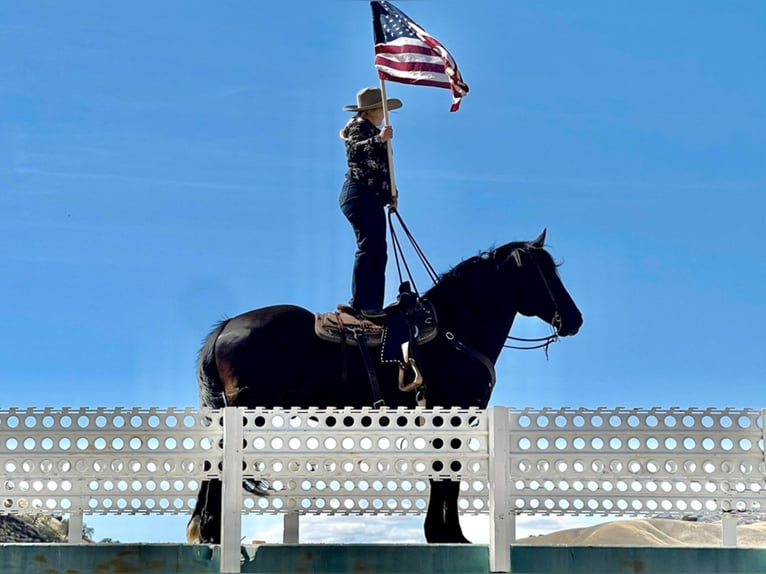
x,y
570,326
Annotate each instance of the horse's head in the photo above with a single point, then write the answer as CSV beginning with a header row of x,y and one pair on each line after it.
x,y
540,291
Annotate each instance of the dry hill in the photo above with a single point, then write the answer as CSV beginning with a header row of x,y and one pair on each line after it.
x,y
654,532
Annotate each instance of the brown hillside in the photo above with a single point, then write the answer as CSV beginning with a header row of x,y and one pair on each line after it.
x,y
654,532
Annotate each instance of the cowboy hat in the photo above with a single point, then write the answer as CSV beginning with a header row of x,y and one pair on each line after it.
x,y
371,98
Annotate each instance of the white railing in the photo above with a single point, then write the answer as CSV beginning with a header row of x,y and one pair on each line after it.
x,y
635,462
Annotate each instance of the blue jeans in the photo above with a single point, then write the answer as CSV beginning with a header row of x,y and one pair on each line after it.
x,y
367,214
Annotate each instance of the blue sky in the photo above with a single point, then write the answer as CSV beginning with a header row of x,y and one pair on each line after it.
x,y
165,165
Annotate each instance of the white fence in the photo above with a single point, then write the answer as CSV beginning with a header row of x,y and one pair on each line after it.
x,y
639,462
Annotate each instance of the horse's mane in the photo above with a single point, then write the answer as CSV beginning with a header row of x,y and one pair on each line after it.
x,y
478,265
484,264
481,261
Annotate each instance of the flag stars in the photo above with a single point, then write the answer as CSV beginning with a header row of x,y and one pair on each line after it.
x,y
406,53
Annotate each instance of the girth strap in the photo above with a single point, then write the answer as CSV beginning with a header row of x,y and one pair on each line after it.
x,y
377,397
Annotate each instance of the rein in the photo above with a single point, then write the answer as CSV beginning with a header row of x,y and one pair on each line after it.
x,y
399,253
542,343
535,343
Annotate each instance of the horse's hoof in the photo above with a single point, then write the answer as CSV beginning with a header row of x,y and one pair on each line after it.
x,y
257,487
193,533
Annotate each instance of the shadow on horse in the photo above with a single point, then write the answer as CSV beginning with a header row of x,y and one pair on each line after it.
x,y
272,357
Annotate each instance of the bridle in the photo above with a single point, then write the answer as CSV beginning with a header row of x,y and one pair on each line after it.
x,y
556,320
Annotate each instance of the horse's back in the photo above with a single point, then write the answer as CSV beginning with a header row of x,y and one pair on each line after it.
x,y
261,347
270,326
273,314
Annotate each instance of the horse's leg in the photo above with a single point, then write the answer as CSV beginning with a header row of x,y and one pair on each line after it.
x,y
210,527
205,523
434,525
451,514
193,534
442,521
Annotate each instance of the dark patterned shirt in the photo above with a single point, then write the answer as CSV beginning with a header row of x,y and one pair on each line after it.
x,y
367,157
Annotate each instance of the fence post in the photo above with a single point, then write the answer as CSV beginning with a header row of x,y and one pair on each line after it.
x,y
291,524
729,529
231,489
76,512
502,518
763,435
74,529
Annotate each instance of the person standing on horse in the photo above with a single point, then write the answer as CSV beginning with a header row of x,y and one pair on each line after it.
x,y
364,196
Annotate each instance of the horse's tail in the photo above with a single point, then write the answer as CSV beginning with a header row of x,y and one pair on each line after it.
x,y
208,378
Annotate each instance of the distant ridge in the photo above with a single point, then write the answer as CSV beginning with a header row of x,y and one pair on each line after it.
x,y
651,532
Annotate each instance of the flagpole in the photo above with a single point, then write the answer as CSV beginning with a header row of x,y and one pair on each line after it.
x,y
389,150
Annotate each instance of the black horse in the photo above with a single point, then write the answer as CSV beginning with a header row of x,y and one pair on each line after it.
x,y
272,357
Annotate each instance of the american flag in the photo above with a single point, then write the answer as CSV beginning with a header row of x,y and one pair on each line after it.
x,y
406,53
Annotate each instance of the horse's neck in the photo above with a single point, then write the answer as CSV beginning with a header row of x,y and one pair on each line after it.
x,y
476,317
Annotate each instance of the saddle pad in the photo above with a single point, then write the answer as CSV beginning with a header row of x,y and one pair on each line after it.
x,y
418,327
335,326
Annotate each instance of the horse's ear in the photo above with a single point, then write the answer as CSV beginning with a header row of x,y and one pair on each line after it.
x,y
540,241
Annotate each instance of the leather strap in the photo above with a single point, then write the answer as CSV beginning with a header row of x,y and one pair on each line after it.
x,y
377,397
477,356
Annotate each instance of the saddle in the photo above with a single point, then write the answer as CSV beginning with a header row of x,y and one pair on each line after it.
x,y
337,326
412,323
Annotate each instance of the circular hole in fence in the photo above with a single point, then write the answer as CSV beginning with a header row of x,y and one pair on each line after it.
x,y
670,421
671,443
